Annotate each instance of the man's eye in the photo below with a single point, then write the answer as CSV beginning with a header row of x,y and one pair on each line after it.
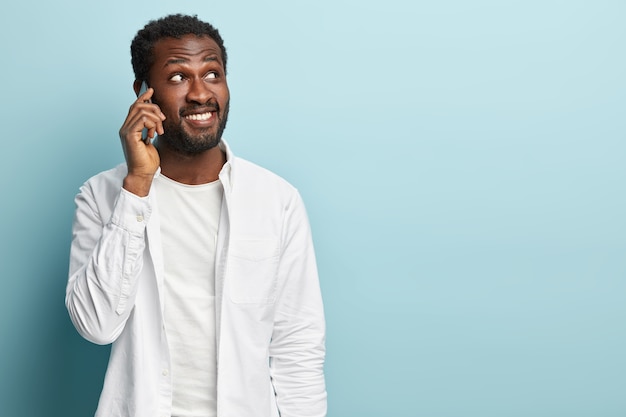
x,y
211,75
176,78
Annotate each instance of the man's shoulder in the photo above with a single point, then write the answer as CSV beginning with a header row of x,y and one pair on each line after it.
x,y
111,178
255,174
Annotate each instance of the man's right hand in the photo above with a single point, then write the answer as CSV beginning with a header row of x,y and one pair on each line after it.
x,y
142,157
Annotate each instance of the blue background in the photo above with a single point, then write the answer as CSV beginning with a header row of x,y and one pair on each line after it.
x,y
462,164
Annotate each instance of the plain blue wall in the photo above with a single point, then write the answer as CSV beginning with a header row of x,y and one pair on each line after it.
x,y
463,167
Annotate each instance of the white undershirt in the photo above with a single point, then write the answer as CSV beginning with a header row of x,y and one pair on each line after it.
x,y
189,221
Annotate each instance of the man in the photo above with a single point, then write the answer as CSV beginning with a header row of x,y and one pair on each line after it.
x,y
196,265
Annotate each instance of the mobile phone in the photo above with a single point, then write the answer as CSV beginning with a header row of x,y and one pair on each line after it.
x,y
144,131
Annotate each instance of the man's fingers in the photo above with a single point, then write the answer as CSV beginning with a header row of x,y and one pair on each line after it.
x,y
145,97
144,116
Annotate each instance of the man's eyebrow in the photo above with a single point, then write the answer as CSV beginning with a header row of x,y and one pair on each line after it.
x,y
176,61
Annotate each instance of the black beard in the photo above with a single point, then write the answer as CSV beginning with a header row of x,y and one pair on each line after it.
x,y
178,140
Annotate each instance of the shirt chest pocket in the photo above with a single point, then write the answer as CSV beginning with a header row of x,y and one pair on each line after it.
x,y
252,270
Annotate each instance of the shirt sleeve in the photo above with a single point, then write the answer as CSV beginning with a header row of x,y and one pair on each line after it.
x,y
106,258
297,349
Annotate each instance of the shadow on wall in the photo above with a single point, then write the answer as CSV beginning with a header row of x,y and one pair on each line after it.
x,y
54,372
46,368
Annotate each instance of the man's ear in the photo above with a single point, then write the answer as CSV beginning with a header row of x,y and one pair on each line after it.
x,y
137,87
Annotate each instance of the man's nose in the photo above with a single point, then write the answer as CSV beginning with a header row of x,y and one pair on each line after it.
x,y
199,91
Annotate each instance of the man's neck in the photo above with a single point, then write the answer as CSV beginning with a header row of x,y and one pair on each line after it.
x,y
196,169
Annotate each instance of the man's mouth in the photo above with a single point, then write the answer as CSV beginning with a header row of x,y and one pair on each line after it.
x,y
199,116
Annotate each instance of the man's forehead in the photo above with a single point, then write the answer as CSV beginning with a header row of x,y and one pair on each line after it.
x,y
188,46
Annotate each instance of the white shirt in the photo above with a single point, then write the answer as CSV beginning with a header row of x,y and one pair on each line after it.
x,y
269,315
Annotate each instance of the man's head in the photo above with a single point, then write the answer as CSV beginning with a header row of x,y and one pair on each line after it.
x,y
172,26
183,60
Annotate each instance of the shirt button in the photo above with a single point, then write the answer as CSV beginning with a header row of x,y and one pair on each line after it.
x,y
165,373
140,218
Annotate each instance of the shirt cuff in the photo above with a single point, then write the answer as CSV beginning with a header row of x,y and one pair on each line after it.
x,y
131,212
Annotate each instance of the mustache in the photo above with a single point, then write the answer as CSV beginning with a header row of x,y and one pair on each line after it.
x,y
212,106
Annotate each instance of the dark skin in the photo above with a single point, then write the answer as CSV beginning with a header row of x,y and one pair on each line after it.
x,y
188,82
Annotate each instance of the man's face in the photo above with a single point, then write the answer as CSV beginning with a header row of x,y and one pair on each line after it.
x,y
190,87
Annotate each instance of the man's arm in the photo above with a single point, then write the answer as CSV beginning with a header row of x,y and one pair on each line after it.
x,y
106,255
105,262
297,349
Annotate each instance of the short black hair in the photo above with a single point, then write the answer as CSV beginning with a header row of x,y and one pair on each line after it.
x,y
171,26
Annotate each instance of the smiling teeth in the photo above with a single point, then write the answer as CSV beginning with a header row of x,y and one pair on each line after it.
x,y
203,116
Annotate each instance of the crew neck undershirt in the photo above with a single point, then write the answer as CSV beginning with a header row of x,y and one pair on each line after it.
x,y
189,218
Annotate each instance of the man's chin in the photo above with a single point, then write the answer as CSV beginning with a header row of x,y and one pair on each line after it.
x,y
189,145
198,147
